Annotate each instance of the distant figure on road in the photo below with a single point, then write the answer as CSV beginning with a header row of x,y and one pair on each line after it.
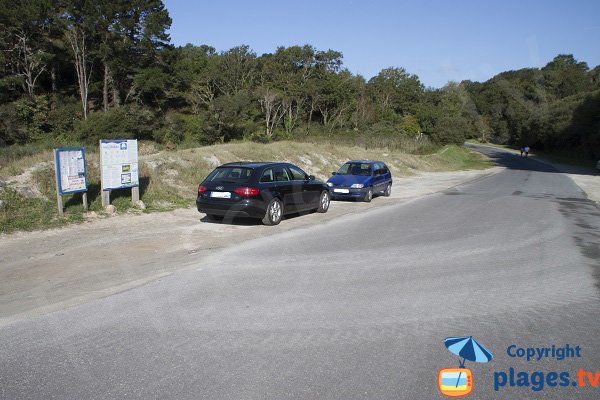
x,y
522,149
526,150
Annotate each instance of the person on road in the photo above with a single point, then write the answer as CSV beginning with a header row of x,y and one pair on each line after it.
x,y
522,149
526,150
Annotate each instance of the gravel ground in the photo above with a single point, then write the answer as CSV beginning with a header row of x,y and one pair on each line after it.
x,y
45,271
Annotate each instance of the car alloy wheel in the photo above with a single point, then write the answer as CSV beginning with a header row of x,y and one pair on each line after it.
x,y
324,202
368,195
388,190
274,212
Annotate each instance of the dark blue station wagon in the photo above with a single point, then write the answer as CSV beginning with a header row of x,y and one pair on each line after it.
x,y
264,190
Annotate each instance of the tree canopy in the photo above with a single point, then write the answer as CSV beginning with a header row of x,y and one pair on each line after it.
x,y
79,70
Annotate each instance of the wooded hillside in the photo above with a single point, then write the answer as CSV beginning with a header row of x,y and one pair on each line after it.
x,y
76,71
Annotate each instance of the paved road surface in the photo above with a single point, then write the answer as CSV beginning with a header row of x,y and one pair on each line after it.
x,y
44,271
356,308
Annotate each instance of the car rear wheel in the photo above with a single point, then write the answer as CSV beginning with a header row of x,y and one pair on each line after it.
x,y
274,213
388,190
368,196
324,201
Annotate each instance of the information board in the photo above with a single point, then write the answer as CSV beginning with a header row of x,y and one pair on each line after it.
x,y
119,159
71,174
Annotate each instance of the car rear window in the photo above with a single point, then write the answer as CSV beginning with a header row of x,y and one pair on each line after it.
x,y
231,175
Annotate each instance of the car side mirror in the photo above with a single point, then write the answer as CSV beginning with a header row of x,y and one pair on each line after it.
x,y
333,173
311,178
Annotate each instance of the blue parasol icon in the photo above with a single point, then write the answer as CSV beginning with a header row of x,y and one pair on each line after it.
x,y
467,348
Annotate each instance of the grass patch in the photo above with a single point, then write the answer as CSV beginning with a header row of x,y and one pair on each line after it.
x,y
455,158
16,165
19,213
373,140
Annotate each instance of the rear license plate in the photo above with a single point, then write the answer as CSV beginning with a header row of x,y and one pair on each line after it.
x,y
221,195
341,191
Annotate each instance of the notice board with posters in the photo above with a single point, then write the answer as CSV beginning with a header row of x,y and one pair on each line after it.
x,y
119,164
71,174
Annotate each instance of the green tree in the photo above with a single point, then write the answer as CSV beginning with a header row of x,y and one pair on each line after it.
x,y
410,125
396,90
231,116
24,30
238,68
147,75
451,122
565,76
195,74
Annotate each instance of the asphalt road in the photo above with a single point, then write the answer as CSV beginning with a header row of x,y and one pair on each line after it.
x,y
356,308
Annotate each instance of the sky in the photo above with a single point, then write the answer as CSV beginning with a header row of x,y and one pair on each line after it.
x,y
440,41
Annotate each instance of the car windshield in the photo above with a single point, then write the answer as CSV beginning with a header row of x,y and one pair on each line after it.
x,y
351,168
230,175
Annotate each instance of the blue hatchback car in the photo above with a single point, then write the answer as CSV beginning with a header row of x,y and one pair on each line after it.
x,y
360,179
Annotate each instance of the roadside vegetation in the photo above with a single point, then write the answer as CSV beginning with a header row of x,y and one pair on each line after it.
x,y
169,179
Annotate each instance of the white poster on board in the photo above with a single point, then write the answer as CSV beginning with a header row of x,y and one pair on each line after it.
x,y
119,164
71,170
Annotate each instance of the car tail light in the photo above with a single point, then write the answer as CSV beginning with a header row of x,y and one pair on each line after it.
x,y
247,191
202,189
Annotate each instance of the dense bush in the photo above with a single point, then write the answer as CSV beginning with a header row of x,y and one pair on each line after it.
x,y
24,120
11,126
127,122
450,130
63,116
178,128
384,128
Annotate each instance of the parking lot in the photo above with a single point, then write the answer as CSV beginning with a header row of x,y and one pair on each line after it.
x,y
41,272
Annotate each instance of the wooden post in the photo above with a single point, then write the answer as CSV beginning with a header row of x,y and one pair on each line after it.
x,y
105,198
85,203
58,196
135,195
104,195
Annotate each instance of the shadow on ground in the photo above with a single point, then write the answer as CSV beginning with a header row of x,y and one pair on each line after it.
x,y
94,192
511,160
246,221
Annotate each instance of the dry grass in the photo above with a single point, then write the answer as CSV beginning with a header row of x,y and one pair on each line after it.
x,y
192,165
18,165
